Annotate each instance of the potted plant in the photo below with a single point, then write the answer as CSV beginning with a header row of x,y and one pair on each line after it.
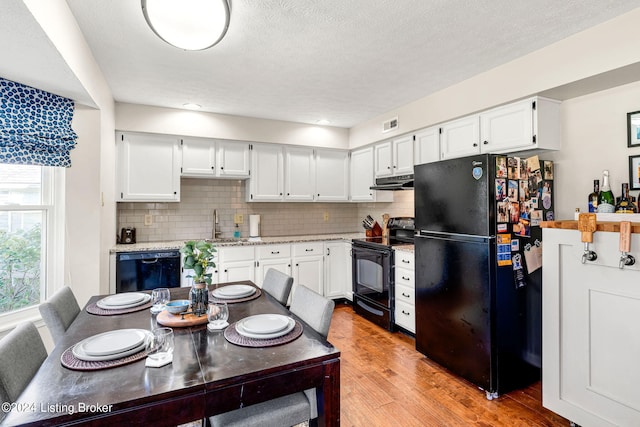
x,y
199,256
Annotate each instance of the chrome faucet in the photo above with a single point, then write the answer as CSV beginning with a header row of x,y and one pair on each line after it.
x,y
215,233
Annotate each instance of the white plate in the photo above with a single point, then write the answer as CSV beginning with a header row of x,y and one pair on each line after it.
x,y
144,300
123,299
264,323
77,352
112,342
285,331
234,291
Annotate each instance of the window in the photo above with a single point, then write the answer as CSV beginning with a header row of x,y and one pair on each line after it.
x,y
28,220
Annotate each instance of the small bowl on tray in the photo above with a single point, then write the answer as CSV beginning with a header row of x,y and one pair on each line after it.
x,y
177,306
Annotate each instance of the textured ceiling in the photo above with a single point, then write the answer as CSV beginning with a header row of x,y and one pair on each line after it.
x,y
343,60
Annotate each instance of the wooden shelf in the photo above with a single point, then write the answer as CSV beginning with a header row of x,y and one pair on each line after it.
x,y
609,226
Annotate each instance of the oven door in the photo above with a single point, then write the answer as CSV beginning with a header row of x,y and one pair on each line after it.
x,y
373,275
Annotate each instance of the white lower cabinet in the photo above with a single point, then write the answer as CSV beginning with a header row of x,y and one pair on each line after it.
x,y
405,288
236,263
277,257
590,339
337,270
308,266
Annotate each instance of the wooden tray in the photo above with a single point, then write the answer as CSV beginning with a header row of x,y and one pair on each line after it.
x,y
176,321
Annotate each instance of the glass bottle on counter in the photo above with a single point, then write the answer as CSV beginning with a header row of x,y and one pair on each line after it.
x,y
606,200
593,197
625,205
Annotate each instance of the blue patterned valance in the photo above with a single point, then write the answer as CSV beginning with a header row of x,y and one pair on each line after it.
x,y
35,126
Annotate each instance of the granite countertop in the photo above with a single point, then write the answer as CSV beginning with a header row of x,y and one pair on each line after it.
x,y
405,248
177,244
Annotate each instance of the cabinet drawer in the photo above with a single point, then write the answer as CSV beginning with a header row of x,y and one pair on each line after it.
x,y
405,260
241,253
405,316
405,277
405,294
306,249
274,251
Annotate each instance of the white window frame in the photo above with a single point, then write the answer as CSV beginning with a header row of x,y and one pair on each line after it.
x,y
53,230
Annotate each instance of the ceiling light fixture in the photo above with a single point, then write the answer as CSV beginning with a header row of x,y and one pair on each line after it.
x,y
188,24
191,106
323,122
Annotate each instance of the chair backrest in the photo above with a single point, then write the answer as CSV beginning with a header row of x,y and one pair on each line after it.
x,y
313,308
278,285
21,355
59,311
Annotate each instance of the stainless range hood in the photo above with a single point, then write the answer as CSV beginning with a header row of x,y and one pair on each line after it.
x,y
393,183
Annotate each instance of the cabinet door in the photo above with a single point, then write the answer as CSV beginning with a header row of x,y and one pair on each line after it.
x,y
267,174
233,159
332,175
299,174
427,146
460,138
337,268
281,264
198,158
590,317
309,271
383,159
235,271
362,175
149,168
403,155
507,128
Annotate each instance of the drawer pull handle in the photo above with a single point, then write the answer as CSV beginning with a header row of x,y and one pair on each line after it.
x,y
406,262
405,295
275,252
308,250
405,278
406,312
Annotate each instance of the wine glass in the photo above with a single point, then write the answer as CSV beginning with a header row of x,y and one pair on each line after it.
x,y
159,297
218,314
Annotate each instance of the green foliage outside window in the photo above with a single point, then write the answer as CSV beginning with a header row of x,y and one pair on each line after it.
x,y
19,268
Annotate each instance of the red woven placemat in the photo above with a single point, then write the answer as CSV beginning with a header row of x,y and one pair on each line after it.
x,y
232,335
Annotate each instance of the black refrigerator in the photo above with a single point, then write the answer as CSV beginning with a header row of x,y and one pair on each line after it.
x,y
478,250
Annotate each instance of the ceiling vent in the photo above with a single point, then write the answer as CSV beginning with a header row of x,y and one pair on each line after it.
x,y
390,125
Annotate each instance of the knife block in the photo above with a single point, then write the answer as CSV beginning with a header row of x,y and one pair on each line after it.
x,y
376,231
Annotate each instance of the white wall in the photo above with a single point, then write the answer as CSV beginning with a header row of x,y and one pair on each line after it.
x,y
144,118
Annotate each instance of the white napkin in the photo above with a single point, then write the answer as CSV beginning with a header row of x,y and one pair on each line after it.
x,y
158,363
219,327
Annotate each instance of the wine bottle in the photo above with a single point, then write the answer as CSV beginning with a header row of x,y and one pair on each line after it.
x,y
606,201
593,197
625,205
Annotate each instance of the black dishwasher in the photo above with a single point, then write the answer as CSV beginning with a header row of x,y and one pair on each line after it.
x,y
140,271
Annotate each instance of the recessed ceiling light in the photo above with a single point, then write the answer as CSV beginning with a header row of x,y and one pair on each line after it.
x,y
323,122
188,24
190,106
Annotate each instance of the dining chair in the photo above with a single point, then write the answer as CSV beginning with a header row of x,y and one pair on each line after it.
x,y
21,355
59,311
316,311
278,285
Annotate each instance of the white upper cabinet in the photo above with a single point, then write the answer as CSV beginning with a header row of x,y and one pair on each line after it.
x,y
332,175
233,159
362,178
198,158
530,124
394,157
299,174
427,146
460,137
148,167
267,173
403,155
210,158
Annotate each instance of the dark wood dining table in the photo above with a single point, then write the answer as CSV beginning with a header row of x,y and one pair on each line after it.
x,y
208,375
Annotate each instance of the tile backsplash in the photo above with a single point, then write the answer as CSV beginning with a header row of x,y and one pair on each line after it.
x,y
192,217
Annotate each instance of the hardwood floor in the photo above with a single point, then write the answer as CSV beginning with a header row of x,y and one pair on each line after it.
x,y
385,382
